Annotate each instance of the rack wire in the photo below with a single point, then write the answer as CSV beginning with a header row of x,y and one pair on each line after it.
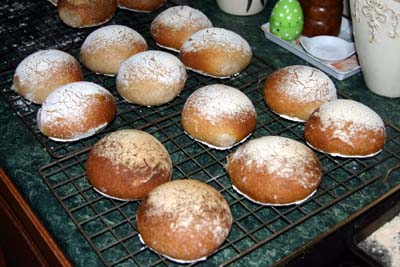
x,y
108,225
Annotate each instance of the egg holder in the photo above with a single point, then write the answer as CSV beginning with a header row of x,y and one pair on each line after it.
x,y
338,69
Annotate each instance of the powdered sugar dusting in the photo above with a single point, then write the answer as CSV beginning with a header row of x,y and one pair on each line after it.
x,y
69,103
179,17
134,149
307,84
219,37
339,113
282,156
384,243
110,36
152,65
194,205
218,100
35,67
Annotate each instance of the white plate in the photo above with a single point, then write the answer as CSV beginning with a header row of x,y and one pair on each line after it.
x,y
330,49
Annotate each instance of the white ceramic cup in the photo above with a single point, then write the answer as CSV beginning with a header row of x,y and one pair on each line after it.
x,y
242,7
377,39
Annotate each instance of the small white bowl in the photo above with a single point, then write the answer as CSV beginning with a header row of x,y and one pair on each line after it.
x,y
329,49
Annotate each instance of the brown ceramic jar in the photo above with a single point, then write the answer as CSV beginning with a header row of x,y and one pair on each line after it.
x,y
322,17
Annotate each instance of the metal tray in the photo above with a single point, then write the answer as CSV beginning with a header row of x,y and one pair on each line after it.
x,y
370,222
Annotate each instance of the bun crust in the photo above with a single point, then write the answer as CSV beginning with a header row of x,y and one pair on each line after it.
x,y
75,111
104,50
294,92
172,27
128,164
274,170
141,5
345,128
44,71
86,13
219,116
184,220
151,78
216,52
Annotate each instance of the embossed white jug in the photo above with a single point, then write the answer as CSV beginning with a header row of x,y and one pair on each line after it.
x,y
376,27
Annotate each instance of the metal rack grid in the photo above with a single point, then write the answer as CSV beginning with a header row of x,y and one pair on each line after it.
x,y
48,32
110,227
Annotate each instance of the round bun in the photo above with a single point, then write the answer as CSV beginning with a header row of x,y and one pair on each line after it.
x,y
172,27
294,92
44,71
128,164
141,5
274,170
104,50
151,78
345,128
219,116
216,52
75,111
184,220
79,14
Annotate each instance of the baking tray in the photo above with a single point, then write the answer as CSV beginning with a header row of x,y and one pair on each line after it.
x,y
340,70
370,222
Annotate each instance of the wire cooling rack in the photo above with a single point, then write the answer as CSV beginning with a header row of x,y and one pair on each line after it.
x,y
46,31
108,225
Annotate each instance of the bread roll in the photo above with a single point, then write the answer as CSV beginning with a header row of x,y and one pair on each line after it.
x,y
216,52
141,5
42,72
345,128
86,13
104,50
219,116
274,170
172,27
294,92
75,111
184,220
128,164
151,78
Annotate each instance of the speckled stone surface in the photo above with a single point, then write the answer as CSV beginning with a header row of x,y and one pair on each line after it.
x,y
21,156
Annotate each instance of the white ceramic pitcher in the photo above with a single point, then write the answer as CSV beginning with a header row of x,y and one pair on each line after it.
x,y
242,7
376,27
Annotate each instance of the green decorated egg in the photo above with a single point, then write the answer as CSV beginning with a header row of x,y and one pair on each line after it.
x,y
286,20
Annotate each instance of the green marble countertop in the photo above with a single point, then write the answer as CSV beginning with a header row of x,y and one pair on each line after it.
x,y
21,155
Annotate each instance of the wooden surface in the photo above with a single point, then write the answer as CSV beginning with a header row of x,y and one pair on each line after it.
x,y
24,241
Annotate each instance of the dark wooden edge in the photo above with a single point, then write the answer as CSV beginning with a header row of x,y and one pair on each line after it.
x,y
42,239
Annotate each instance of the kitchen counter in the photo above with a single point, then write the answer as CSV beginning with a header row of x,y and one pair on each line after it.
x,y
21,155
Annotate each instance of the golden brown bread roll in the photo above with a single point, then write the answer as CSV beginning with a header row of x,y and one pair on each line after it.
x,y
86,13
184,220
128,164
219,116
172,27
141,5
75,111
151,78
294,92
104,50
216,52
274,170
44,71
345,128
